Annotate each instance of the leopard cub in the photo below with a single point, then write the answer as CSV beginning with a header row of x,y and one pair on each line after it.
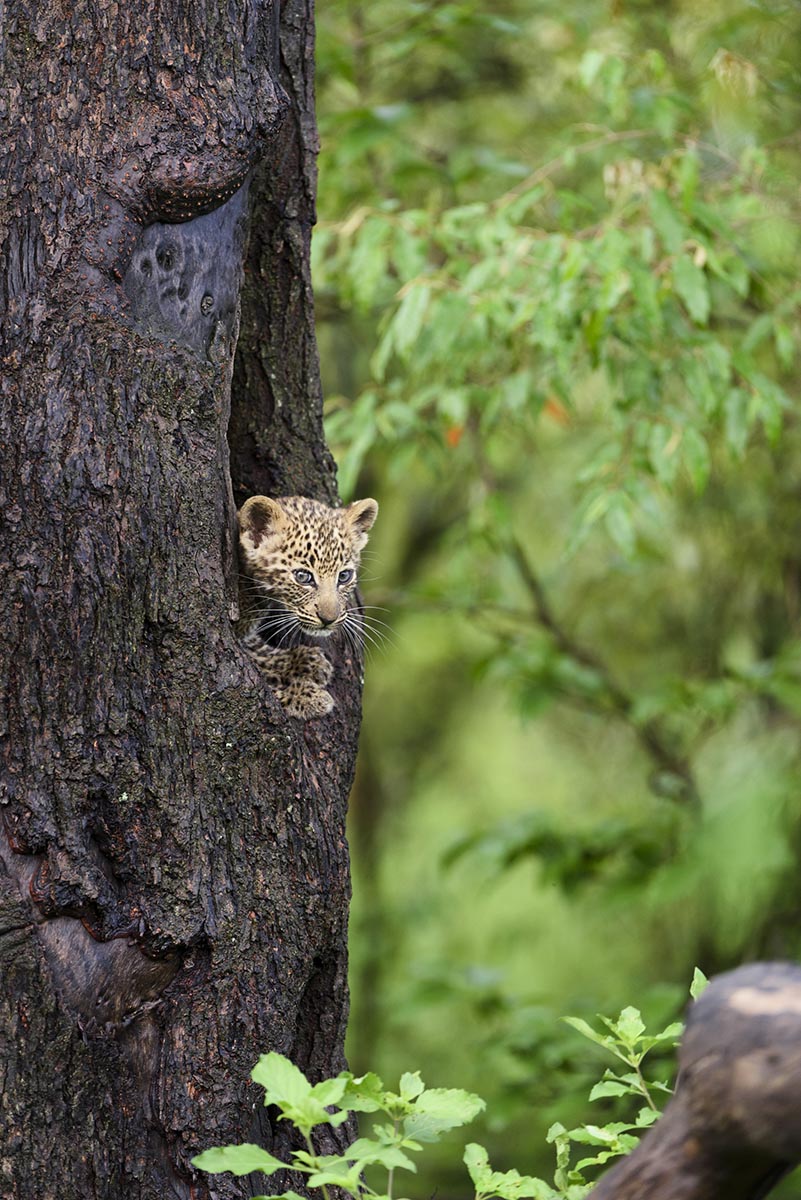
x,y
299,562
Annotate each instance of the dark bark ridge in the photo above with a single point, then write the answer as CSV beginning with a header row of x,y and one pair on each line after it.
x,y
173,865
733,1128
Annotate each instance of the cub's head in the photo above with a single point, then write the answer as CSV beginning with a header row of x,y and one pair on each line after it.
x,y
303,557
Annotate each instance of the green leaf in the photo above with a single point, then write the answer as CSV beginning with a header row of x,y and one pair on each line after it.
x,y
695,453
769,402
439,1109
239,1160
671,1033
691,285
367,263
408,320
663,442
590,65
737,425
699,983
382,355
330,1091
364,1093
408,251
624,1146
760,329
630,1026
646,1117
630,1078
588,1032
610,1087
338,1175
288,1088
411,1085
282,1081
647,296
688,176
350,461
368,1151
667,223
704,385
511,1185
785,342
476,1160
508,1185
599,1135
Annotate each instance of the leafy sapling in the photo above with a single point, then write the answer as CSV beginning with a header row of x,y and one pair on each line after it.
x,y
629,1042
415,1114
627,1039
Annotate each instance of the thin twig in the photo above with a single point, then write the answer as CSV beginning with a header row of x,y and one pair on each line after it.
x,y
649,734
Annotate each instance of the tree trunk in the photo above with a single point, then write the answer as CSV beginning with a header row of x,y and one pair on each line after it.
x,y
173,865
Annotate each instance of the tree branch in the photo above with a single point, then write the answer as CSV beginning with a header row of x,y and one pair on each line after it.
x,y
650,734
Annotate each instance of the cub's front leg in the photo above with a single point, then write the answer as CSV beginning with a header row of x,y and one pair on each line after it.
x,y
297,676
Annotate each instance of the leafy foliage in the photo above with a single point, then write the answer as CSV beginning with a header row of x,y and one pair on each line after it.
x,y
631,264
417,1114
556,279
629,289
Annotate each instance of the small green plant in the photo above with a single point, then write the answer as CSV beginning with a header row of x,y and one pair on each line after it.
x,y
415,1114
404,1120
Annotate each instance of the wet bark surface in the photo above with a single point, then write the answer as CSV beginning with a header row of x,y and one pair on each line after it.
x,y
173,866
733,1128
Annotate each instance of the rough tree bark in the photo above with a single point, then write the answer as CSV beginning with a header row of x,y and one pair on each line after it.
x,y
173,866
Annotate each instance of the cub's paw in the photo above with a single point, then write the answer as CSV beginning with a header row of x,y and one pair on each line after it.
x,y
311,663
303,698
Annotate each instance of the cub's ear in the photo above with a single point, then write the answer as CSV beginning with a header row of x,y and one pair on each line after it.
x,y
258,518
361,516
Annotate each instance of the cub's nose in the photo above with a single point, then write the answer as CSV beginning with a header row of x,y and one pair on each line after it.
x,y
326,615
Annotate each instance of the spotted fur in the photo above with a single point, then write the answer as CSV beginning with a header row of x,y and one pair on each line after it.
x,y
300,561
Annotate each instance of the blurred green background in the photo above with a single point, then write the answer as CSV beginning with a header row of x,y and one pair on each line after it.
x,y
557,284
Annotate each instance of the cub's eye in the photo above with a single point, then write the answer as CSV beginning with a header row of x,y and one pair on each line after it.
x,y
304,577
346,576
